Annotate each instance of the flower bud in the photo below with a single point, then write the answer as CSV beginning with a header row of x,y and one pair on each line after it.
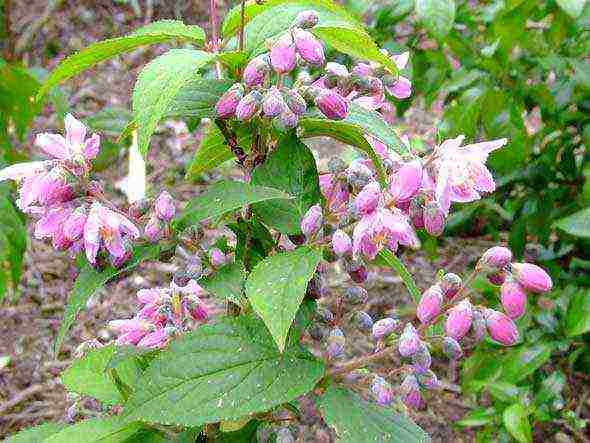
x,y
356,295
324,315
282,55
501,327
384,327
139,208
217,258
312,221
532,277
295,102
336,342
287,120
332,104
256,70
303,78
452,348
478,326
494,259
459,320
153,229
382,391
363,321
513,299
422,359
406,181
409,342
249,106
410,390
164,207
273,103
341,243
316,288
428,380
400,87
450,284
359,275
227,103
367,200
434,219
194,268
362,70
430,304
309,48
497,278
306,19
358,174
336,71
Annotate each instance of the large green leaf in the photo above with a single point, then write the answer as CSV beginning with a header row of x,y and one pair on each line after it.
x,y
156,32
13,243
520,362
197,98
36,434
222,371
91,280
89,375
94,430
17,91
517,423
577,320
222,197
159,83
276,288
577,224
437,16
291,168
226,283
355,420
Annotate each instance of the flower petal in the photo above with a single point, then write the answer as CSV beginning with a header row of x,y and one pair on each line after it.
x,y
401,89
75,131
54,145
91,147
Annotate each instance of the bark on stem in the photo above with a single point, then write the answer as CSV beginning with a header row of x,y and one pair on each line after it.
x,y
232,141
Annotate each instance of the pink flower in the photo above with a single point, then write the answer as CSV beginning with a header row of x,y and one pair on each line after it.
x,y
341,243
282,55
406,181
249,106
332,104
409,341
532,277
382,228
20,171
459,320
107,228
434,218
384,327
217,257
273,103
312,221
495,259
501,327
410,390
382,391
156,339
74,224
164,207
367,200
227,103
73,146
335,192
513,299
430,304
309,48
306,19
256,70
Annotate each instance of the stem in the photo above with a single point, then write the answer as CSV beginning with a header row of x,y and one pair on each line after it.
x,y
232,141
242,24
360,362
9,50
395,263
213,22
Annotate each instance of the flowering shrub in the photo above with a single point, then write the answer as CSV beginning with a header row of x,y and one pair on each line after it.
x,y
193,369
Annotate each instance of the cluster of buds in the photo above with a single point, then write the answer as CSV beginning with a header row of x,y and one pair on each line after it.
x,y
257,96
158,215
71,210
163,312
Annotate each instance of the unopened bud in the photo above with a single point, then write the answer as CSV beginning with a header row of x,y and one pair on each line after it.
x,y
139,208
356,295
332,104
336,71
417,214
363,321
164,207
312,221
532,277
513,299
309,48
217,258
430,304
384,327
336,342
295,102
434,219
450,284
154,229
249,106
501,328
428,379
422,359
459,320
282,55
358,174
410,390
382,391
497,278
273,103
452,348
359,275
306,19
409,341
494,259
228,102
286,121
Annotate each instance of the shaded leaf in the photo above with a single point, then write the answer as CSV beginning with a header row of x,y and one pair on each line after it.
x,y
520,362
517,423
577,320
226,283
573,8
437,16
36,434
577,224
13,244
94,430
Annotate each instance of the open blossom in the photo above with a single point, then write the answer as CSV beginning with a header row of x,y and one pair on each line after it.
x,y
382,228
406,181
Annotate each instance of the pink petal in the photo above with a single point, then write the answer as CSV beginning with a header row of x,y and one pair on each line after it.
x,y
91,147
483,149
401,89
401,60
19,171
371,102
75,131
115,245
54,145
91,234
484,181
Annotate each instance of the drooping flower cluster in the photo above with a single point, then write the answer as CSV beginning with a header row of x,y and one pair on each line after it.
x,y
70,209
163,313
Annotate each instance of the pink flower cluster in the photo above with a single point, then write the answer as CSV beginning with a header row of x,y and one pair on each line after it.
x,y
69,208
163,312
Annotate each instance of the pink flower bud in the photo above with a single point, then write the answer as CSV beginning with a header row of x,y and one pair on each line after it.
x,y
494,259
287,120
406,182
416,214
306,19
295,101
409,342
309,48
332,104
359,275
428,379
256,70
164,207
335,343
341,243
430,304
217,258
501,327
367,200
226,106
249,106
513,299
532,277
362,70
356,295
282,55
452,348
336,70
497,278
312,221
459,320
400,88
434,219
410,390
450,284
422,359
153,229
382,391
363,321
157,339
384,327
273,103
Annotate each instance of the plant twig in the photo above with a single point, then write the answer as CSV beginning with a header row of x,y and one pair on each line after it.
x,y
232,140
360,362
22,396
9,50
242,24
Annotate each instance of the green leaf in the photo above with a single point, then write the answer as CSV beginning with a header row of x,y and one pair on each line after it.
x,y
109,121
573,8
227,283
577,224
225,196
232,21
517,423
222,371
36,434
520,362
478,417
577,320
156,32
276,288
393,262
437,16
213,150
503,391
89,376
253,241
197,98
13,244
17,90
551,388
290,168
90,280
355,420
94,430
159,83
